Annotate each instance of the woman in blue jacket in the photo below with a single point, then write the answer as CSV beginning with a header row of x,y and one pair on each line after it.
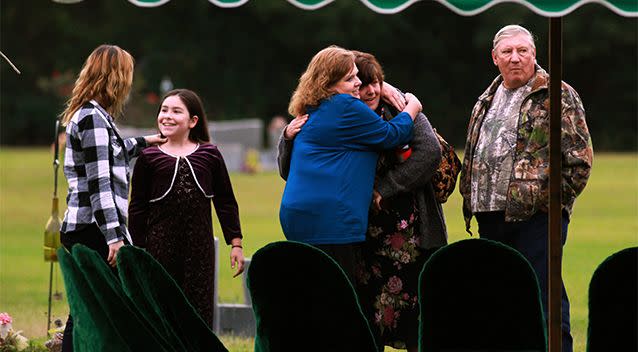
x,y
329,187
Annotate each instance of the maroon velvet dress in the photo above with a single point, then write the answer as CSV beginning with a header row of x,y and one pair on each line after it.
x,y
170,215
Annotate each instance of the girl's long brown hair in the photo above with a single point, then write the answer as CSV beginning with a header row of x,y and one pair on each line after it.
x,y
199,133
325,69
107,77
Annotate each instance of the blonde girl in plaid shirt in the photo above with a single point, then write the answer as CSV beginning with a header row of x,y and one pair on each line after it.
x,y
96,158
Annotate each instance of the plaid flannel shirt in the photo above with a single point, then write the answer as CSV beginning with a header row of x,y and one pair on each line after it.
x,y
96,166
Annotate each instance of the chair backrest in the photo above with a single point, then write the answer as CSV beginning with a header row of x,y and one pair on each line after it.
x,y
613,304
104,319
145,311
303,301
480,295
160,300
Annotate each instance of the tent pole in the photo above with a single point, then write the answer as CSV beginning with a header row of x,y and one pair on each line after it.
x,y
555,247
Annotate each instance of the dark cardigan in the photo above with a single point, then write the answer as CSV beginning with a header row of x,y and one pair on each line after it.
x,y
153,177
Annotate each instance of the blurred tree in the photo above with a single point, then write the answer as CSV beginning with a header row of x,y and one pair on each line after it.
x,y
245,61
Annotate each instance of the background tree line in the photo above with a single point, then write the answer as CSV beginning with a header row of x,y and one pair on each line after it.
x,y
245,62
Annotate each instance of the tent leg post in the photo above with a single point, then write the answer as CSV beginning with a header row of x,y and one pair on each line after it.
x,y
555,247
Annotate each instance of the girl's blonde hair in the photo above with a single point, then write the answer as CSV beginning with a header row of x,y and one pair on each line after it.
x,y
107,77
325,69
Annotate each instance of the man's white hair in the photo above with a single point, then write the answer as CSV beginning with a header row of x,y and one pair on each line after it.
x,y
511,31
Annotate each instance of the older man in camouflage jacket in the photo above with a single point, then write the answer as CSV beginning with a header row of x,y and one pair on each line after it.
x,y
505,176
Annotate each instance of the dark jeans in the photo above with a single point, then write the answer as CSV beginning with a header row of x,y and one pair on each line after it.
x,y
348,256
530,239
92,237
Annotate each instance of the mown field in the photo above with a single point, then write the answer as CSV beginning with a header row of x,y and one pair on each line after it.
x,y
605,221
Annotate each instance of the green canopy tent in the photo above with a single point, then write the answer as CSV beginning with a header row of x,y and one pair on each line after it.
x,y
554,10
548,8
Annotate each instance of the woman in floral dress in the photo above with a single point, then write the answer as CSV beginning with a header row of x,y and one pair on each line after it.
x,y
388,282
405,224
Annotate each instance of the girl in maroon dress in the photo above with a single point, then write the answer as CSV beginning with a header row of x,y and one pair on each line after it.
x,y
170,210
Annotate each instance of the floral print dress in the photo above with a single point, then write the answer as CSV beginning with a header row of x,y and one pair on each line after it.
x,y
388,283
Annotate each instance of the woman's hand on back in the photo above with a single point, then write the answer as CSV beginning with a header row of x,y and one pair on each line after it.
x,y
295,126
413,106
392,96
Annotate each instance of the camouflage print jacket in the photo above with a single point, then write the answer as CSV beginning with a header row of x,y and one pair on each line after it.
x,y
528,189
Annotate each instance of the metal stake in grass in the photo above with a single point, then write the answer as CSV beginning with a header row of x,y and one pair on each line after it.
x,y
52,228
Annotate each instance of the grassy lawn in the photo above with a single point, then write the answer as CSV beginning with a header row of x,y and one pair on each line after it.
x,y
605,221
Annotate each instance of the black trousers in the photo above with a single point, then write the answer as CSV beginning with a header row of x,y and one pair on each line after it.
x,y
92,237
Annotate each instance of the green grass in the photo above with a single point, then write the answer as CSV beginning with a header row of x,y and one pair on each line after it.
x,y
605,221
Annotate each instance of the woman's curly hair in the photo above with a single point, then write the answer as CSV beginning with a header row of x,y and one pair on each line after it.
x,y
325,69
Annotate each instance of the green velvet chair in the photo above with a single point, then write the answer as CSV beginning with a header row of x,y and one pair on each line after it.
x,y
303,301
480,295
142,310
104,318
160,300
613,304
